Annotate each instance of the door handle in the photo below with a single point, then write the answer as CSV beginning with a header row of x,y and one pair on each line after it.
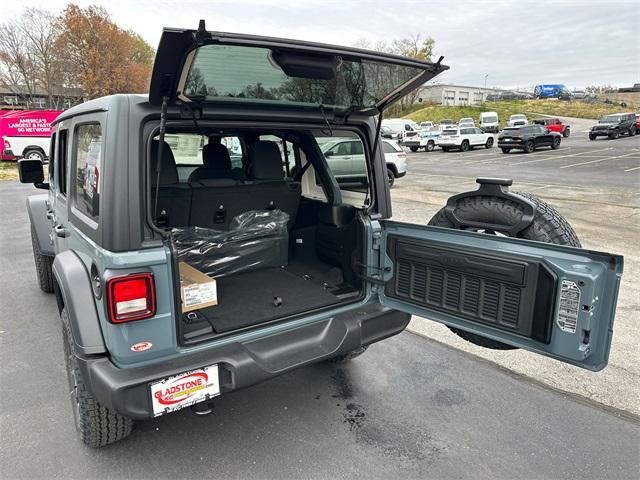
x,y
61,231
50,215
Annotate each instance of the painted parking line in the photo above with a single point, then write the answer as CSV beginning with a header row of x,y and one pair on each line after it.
x,y
632,169
600,160
553,157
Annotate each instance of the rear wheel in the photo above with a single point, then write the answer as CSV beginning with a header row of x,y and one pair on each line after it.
x,y
592,137
464,146
566,132
413,149
43,266
430,146
97,425
489,143
505,150
529,147
555,143
34,154
548,226
615,134
391,178
632,131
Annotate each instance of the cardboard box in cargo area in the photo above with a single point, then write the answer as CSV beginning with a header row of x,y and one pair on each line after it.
x,y
197,290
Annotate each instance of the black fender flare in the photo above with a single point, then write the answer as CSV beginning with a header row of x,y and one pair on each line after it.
x,y
37,206
74,286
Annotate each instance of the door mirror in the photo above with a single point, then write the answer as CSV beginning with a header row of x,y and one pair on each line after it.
x,y
31,171
330,153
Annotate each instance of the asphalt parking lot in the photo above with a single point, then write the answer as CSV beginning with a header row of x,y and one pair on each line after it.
x,y
595,185
409,408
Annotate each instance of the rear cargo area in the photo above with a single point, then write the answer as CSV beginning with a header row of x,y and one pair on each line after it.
x,y
268,275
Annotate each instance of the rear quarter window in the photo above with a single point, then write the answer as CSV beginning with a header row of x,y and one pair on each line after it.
x,y
88,156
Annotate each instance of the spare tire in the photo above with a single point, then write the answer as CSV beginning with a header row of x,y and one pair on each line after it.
x,y
548,226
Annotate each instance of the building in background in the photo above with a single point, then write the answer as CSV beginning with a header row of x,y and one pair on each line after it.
x,y
19,98
465,95
453,94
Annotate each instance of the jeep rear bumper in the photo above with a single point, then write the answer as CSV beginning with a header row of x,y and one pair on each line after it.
x,y
241,364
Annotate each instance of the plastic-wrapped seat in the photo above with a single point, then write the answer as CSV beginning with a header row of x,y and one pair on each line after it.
x,y
256,239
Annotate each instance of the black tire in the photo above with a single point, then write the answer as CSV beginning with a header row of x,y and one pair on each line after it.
x,y
446,149
34,154
391,178
43,266
464,146
489,143
413,149
97,425
548,226
349,356
615,134
566,132
430,146
529,147
555,143
592,137
632,131
505,150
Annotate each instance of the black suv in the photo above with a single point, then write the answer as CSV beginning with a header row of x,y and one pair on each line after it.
x,y
528,138
613,126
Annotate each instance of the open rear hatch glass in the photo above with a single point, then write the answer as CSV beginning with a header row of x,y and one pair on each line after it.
x,y
200,67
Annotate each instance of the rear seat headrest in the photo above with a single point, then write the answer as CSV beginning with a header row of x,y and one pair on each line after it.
x,y
265,161
216,156
169,171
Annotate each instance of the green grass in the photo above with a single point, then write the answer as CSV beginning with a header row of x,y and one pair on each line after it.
x,y
9,171
505,109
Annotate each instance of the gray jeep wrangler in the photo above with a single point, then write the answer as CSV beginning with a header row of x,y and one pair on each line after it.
x,y
198,241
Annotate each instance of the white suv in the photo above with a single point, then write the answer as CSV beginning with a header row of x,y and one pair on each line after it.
x,y
464,139
518,120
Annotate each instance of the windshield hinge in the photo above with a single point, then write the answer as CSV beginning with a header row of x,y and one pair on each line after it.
x,y
201,35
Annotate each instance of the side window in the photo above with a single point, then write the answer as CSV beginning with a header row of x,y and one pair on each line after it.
x,y
52,159
387,148
63,161
88,156
234,146
186,147
357,148
350,172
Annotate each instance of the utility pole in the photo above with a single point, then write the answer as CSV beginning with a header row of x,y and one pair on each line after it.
x,y
485,80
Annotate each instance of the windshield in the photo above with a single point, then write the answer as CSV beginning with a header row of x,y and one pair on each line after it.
x,y
223,72
518,117
466,120
610,119
489,119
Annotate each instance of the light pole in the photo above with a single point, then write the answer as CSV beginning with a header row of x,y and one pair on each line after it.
x,y
485,80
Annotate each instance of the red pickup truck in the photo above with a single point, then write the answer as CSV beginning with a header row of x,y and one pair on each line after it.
x,y
554,125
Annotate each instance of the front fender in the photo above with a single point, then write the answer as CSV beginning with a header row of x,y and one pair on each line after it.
x,y
75,288
37,208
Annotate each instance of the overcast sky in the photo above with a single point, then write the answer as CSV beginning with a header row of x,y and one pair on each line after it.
x,y
517,44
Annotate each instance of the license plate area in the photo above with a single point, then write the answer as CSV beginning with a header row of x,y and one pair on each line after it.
x,y
185,389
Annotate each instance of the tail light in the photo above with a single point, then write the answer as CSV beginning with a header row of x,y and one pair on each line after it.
x,y
402,155
131,297
7,145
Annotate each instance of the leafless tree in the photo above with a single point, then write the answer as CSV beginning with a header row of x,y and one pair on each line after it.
x,y
28,57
